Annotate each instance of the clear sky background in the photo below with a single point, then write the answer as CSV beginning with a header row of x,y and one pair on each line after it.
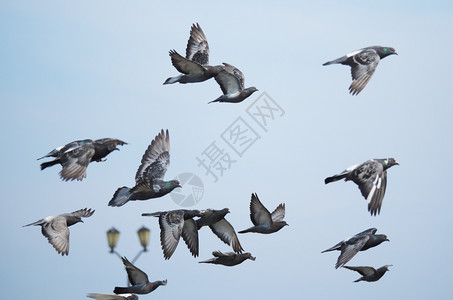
x,y
94,69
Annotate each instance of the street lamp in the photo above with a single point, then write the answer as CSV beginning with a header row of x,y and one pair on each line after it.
x,y
143,236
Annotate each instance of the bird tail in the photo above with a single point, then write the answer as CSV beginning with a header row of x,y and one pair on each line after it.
x,y
154,214
121,196
336,177
336,61
245,230
40,222
49,163
172,80
121,290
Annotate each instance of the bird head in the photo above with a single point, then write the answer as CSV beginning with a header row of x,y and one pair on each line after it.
x,y
164,282
386,51
249,256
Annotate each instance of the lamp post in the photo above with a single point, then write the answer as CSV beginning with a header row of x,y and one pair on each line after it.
x,y
143,236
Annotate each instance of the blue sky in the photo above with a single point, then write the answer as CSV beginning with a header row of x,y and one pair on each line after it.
x,y
84,69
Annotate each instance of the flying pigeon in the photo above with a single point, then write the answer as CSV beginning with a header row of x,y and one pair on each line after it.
x,y
174,224
368,273
371,177
75,156
195,66
228,259
149,179
264,221
55,228
112,297
139,281
231,81
215,219
363,63
359,242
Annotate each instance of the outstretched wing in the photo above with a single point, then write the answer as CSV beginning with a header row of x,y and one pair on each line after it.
x,y
135,275
258,213
155,160
366,63
364,271
75,158
279,213
171,226
230,79
197,48
57,233
349,249
226,233
185,66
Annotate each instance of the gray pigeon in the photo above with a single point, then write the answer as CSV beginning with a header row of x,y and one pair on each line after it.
x,y
195,66
139,281
363,63
174,224
75,156
371,177
215,219
368,273
231,81
55,228
228,259
264,221
112,297
359,242
149,179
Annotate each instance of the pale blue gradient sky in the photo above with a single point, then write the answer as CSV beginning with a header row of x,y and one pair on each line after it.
x,y
94,69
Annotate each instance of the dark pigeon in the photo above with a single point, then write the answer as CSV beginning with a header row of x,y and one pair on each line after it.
x,y
215,219
368,273
264,221
139,281
363,63
174,224
228,259
195,66
75,156
231,81
55,228
149,179
97,296
360,242
371,177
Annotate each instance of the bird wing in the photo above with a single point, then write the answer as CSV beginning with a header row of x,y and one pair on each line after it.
x,y
230,79
75,158
190,236
226,233
221,254
349,249
155,160
366,232
171,226
135,275
57,233
85,213
258,213
185,66
372,181
364,271
197,48
279,213
366,62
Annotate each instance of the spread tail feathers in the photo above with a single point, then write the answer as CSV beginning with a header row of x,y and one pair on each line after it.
x,y
335,178
120,197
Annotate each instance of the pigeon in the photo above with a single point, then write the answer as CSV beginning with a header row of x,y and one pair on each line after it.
x,y
75,156
195,66
112,297
228,259
371,177
55,228
231,81
149,179
359,242
264,221
174,224
215,219
363,63
139,281
368,273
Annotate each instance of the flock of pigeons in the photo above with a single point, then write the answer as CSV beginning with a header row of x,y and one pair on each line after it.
x,y
370,176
